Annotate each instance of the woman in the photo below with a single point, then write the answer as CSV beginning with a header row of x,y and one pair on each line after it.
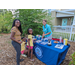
x,y
47,33
16,32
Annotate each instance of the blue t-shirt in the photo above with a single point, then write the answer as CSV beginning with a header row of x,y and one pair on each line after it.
x,y
47,29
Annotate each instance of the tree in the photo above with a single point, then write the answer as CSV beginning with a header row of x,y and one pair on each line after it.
x,y
31,18
6,19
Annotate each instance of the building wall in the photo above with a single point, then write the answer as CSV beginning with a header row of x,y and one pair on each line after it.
x,y
63,9
53,15
63,14
68,10
72,11
58,21
55,9
68,20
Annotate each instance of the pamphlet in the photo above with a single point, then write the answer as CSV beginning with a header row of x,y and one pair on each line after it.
x,y
44,43
38,41
60,46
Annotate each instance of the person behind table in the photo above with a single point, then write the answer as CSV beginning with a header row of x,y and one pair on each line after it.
x,y
47,32
23,49
30,44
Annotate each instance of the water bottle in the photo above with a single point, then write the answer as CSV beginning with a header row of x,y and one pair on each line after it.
x,y
60,39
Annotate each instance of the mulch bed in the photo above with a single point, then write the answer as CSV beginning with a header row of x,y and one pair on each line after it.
x,y
8,53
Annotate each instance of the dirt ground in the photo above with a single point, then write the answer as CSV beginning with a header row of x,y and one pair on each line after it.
x,y
8,53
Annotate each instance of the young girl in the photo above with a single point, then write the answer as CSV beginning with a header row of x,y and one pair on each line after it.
x,y
23,49
30,44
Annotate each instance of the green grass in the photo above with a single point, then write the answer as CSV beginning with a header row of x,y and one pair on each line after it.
x,y
72,62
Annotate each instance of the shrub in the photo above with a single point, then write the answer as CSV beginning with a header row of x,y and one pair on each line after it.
x,y
73,59
32,18
6,19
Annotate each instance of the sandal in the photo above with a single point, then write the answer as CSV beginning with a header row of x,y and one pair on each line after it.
x,y
31,59
24,55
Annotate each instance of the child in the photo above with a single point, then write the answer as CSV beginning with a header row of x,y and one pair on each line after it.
x,y
30,44
23,49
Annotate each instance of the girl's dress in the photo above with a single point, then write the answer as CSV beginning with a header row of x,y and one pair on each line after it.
x,y
31,42
22,47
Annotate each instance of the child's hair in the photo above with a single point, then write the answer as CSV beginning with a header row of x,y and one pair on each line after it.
x,y
22,38
28,31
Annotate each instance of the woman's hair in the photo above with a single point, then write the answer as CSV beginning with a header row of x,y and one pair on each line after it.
x,y
28,31
45,20
20,29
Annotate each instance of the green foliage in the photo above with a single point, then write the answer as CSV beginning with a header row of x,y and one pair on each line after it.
x,y
6,19
32,18
73,59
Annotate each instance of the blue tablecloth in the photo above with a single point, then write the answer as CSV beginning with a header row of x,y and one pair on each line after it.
x,y
49,54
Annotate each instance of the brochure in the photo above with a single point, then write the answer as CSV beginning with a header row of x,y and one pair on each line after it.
x,y
38,41
60,46
44,43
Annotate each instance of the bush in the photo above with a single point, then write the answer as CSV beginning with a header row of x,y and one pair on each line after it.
x,y
73,59
32,18
6,19
0,31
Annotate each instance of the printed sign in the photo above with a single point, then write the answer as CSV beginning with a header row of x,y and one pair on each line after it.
x,y
38,51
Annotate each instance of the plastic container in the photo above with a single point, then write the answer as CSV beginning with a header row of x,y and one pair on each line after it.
x,y
65,41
